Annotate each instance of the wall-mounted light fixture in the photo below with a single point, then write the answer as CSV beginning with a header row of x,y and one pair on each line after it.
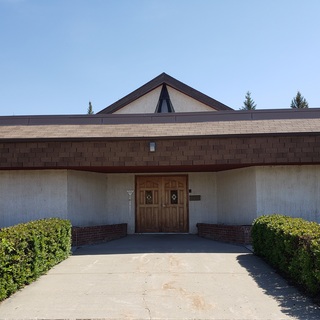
x,y
152,146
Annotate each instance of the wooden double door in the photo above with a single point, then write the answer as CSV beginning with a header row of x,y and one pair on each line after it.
x,y
162,204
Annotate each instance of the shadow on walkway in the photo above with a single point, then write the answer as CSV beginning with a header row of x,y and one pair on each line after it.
x,y
291,301
160,243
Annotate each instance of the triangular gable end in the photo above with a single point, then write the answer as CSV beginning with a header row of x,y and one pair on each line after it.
x,y
146,98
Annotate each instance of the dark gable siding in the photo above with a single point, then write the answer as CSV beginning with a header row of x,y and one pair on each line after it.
x,y
192,154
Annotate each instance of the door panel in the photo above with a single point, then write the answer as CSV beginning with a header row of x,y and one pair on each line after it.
x,y
175,204
148,189
161,204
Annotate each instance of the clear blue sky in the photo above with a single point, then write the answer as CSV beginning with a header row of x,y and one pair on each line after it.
x,y
58,55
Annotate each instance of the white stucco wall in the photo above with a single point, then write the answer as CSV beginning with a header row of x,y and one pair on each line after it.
x,y
229,197
86,198
236,192
145,104
205,210
184,103
32,195
117,199
98,198
289,190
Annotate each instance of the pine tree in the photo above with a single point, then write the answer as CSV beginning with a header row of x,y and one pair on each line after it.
x,y
248,103
299,102
90,111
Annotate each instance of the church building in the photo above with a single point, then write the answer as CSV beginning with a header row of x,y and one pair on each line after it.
x,y
166,158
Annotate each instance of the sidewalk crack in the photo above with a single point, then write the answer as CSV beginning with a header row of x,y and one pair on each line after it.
x,y
144,294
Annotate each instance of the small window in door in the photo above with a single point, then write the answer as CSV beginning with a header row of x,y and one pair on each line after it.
x,y
174,196
148,197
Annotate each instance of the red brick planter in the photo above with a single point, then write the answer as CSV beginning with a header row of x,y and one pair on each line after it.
x,y
98,234
226,233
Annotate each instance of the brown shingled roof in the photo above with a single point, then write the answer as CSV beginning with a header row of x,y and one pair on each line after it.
x,y
147,130
163,78
270,122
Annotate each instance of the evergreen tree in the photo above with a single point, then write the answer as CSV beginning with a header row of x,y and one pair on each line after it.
x,y
248,103
90,111
299,102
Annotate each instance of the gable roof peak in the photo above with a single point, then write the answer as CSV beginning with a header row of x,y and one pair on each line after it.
x,y
161,79
163,74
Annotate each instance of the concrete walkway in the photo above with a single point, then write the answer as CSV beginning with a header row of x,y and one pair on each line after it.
x,y
160,277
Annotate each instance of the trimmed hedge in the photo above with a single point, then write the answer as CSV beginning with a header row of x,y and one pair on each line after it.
x,y
31,249
291,245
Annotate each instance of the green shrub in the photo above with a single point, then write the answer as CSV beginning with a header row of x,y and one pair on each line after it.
x,y
31,249
291,245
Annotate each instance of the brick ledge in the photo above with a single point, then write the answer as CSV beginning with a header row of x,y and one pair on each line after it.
x,y
98,234
238,234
